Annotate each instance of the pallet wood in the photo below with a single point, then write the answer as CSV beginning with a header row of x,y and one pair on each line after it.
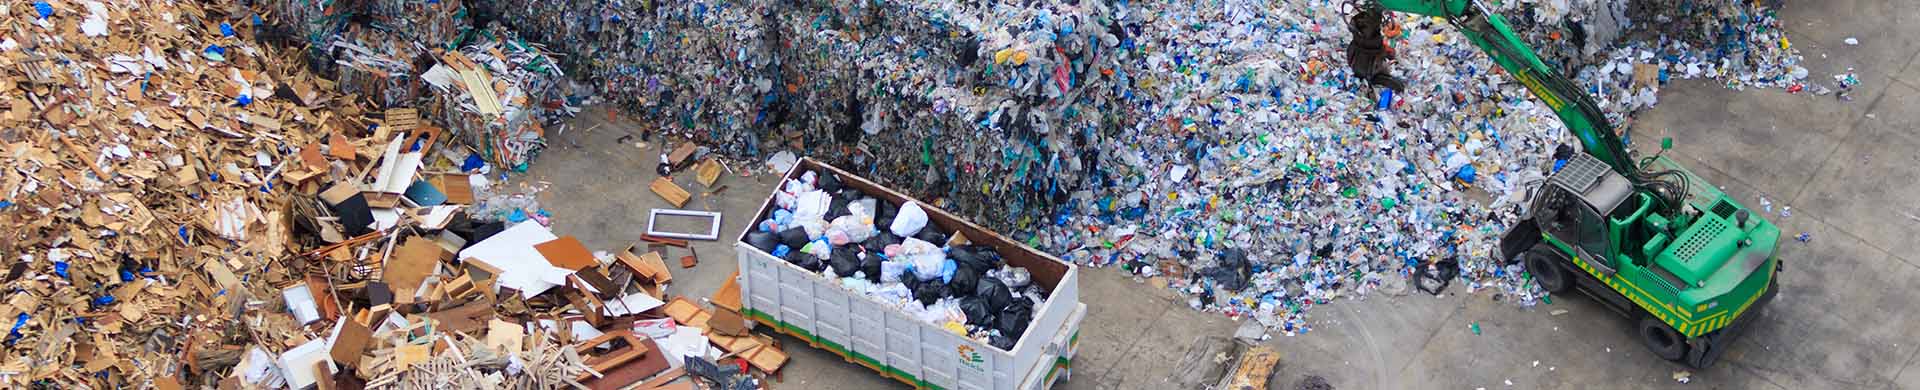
x,y
669,191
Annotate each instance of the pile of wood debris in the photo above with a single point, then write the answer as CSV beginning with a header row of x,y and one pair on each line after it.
x,y
187,207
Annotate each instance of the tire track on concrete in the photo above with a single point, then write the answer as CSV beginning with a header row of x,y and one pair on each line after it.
x,y
1373,348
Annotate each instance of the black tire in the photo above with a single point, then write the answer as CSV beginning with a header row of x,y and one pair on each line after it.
x,y
1546,270
1661,339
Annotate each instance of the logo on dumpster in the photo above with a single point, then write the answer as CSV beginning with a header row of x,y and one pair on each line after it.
x,y
969,356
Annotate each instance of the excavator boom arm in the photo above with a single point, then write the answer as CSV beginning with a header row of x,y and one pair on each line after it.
x,y
1491,33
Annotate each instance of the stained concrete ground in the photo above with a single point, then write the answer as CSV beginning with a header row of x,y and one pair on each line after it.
x,y
1845,317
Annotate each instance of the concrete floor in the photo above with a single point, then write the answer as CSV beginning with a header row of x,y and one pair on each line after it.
x,y
1843,319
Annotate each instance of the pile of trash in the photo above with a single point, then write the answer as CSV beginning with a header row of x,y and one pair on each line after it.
x,y
496,92
894,254
1178,143
375,63
186,207
698,69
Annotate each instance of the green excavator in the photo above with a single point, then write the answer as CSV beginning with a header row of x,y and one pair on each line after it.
x,y
1646,238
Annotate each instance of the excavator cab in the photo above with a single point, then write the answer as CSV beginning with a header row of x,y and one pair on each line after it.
x,y
1590,228
1576,204
1647,238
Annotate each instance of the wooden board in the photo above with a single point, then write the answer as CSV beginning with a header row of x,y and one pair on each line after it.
x,y
458,187
403,119
680,154
728,297
669,191
1255,366
769,359
647,265
410,264
1645,75
682,310
567,252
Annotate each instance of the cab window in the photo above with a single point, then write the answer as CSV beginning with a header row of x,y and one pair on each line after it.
x,y
1569,219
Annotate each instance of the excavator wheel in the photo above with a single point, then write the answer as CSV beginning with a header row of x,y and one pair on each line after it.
x,y
1546,270
1661,339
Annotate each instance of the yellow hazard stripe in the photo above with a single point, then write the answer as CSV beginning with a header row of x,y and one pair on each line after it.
x,y
1641,298
1682,320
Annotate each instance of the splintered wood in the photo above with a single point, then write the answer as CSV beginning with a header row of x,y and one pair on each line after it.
x,y
187,207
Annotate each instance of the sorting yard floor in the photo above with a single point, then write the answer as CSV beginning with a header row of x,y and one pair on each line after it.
x,y
1850,170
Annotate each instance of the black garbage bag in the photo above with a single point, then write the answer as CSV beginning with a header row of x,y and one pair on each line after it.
x,y
1434,278
1001,342
805,260
1233,271
1013,321
870,265
977,312
763,241
483,231
930,291
879,241
966,51
837,207
995,291
795,238
887,211
966,257
907,279
932,235
845,261
980,257
827,181
966,278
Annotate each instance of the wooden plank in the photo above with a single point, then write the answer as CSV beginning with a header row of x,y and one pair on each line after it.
x,y
647,265
458,187
728,297
403,119
669,191
680,154
1255,366
769,358
663,378
567,252
665,241
683,311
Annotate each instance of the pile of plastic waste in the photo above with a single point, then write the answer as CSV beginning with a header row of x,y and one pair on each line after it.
x,y
1226,150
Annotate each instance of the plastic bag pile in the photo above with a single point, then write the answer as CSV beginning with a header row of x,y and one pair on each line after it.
x,y
893,254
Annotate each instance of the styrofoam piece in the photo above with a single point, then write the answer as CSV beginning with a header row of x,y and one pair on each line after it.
x,y
522,267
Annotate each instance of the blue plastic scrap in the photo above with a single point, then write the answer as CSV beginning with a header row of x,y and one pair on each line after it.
x,y
215,53
18,322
